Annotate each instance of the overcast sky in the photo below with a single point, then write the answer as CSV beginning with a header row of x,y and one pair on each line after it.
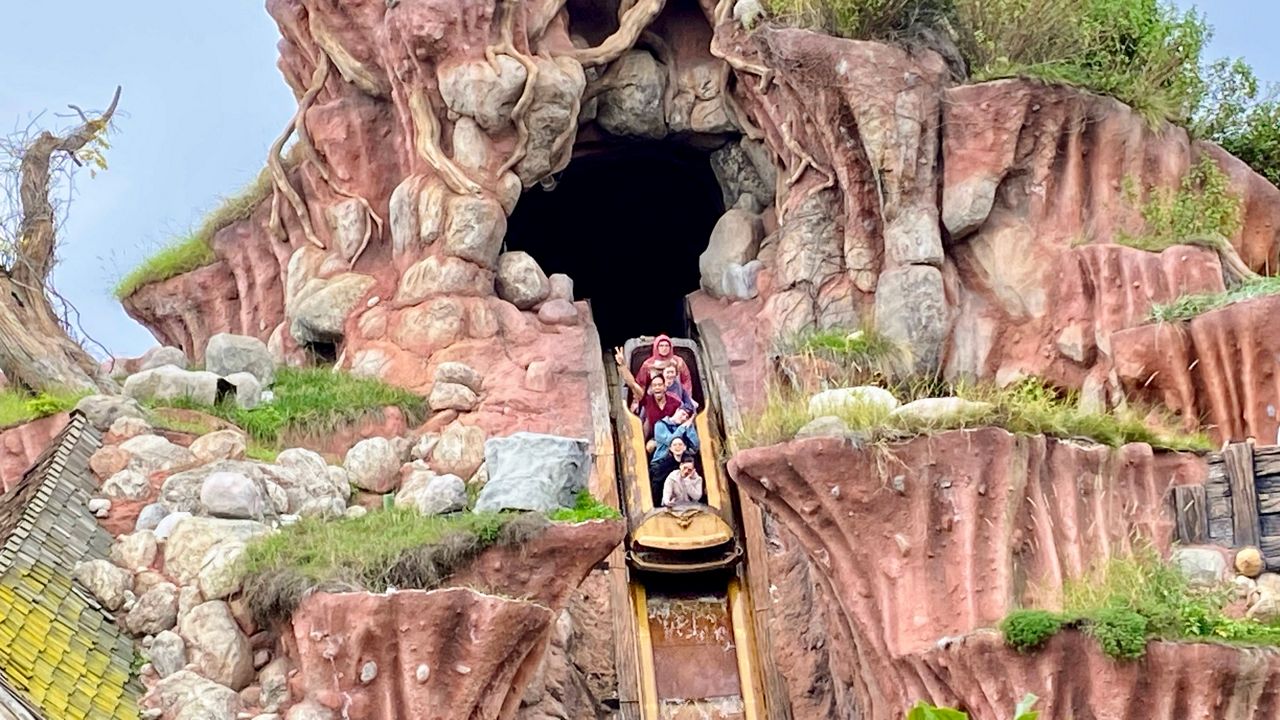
x,y
202,102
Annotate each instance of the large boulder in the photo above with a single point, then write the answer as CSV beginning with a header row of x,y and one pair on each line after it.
x,y
103,410
134,551
530,471
248,389
744,167
226,354
232,495
520,281
735,241
433,494
107,582
911,309
185,550
182,491
835,401
162,355
483,92
219,445
632,106
215,645
128,484
319,313
460,373
220,572
155,611
552,116
452,396
170,382
475,229
1203,567
313,488
373,464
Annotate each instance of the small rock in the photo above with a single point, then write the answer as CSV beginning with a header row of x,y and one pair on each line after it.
x,y
220,574
441,494
561,287
274,679
152,453
100,507
824,426
459,373
1266,609
126,485
184,694
219,445
150,516
309,709
368,672
1269,581
107,582
226,354
1249,562
135,550
422,448
748,12
162,355
128,427
260,657
558,312
168,653
422,673
537,376
103,410
452,396
520,281
355,511
248,390
1203,567
460,450
155,612
107,461
373,465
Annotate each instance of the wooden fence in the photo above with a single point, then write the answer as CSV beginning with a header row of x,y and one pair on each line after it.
x,y
1239,503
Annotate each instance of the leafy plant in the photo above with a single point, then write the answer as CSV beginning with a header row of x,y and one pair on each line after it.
x,y
1201,211
1026,630
17,406
1120,631
925,711
1242,115
585,507
1189,306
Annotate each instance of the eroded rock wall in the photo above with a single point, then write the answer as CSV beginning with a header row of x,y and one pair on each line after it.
x,y
940,536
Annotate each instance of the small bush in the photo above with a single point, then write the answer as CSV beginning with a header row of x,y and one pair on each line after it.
x,y
1026,630
1202,211
1121,632
585,507
18,407
393,547
1189,306
1242,116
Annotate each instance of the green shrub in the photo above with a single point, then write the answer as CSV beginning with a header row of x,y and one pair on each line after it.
x,y
394,547
1202,211
1242,116
18,407
312,402
1026,630
585,507
925,711
1121,632
868,19
1189,306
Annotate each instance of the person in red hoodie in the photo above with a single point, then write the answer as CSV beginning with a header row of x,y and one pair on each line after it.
x,y
664,350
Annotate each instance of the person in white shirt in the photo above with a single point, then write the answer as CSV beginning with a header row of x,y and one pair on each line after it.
x,y
683,486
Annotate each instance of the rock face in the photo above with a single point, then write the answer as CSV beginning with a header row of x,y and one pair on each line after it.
x,y
988,525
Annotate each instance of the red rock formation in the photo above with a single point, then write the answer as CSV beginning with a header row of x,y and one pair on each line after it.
x,y
481,651
434,655
1216,370
942,535
20,445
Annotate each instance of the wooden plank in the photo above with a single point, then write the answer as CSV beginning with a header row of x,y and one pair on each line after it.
x,y
1266,483
1191,514
1269,526
1217,491
1238,458
1270,547
1268,503
1219,508
1222,532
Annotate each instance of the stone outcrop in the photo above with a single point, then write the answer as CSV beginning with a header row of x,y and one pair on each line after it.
x,y
918,546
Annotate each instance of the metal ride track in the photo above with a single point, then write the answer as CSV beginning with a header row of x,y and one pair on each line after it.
x,y
687,648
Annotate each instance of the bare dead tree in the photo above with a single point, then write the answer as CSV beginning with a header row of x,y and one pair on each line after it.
x,y
36,346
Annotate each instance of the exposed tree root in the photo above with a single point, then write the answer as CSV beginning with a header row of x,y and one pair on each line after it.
x,y
351,69
633,22
506,46
280,176
1234,268
538,22
427,142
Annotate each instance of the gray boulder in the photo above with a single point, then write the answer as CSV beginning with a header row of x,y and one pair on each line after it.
x,y
1204,567
150,516
107,582
103,410
163,355
170,382
168,653
936,410
530,471
452,396
520,281
247,388
185,550
824,426
911,309
744,167
633,104
561,286
460,373
215,645
320,311
232,495
227,354
128,484
185,691
735,241
134,551
433,494
373,464
153,453
156,611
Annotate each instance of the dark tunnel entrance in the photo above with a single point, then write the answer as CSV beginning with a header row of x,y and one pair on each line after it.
x,y
628,225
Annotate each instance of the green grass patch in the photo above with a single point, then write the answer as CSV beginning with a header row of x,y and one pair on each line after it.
x,y
843,357
1029,408
1189,306
313,402
393,547
195,250
585,507
17,407
1128,601
1201,211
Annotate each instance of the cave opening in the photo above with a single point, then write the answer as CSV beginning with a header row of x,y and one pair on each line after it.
x,y
627,224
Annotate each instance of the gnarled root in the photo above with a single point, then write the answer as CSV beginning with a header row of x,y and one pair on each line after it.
x,y
280,176
633,22
537,22
427,142
506,46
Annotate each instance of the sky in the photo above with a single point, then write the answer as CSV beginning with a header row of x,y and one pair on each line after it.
x,y
202,102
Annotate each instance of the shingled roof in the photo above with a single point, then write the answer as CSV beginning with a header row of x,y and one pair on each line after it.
x,y
61,653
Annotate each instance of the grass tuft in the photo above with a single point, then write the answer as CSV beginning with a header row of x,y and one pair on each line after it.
x,y
195,250
1189,306
586,507
313,402
1029,407
1129,600
17,407
393,547
842,357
